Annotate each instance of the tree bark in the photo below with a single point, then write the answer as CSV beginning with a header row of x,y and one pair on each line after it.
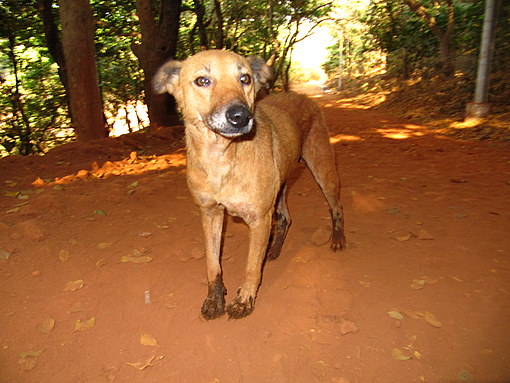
x,y
159,44
79,52
54,44
443,36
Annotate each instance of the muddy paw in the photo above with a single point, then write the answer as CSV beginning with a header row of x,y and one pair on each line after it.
x,y
237,309
338,242
214,305
213,308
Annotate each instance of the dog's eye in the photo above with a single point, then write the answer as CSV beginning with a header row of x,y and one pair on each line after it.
x,y
202,81
245,79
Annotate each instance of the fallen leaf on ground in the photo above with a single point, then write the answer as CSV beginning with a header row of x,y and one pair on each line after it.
x,y
413,314
101,263
28,360
100,212
418,284
63,255
33,354
148,340
431,319
347,327
365,284
404,238
143,365
398,354
321,236
4,254
136,259
46,326
83,325
395,315
74,285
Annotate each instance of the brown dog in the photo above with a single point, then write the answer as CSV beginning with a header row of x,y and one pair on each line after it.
x,y
240,153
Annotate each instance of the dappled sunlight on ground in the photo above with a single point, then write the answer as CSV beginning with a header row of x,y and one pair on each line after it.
x,y
133,165
343,137
401,132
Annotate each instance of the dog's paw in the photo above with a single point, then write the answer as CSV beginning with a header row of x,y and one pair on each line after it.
x,y
338,242
237,309
213,308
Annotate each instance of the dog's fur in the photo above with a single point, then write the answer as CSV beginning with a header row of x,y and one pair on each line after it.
x,y
240,153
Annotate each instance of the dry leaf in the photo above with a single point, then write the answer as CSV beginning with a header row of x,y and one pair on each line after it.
x,y
83,325
365,284
395,315
31,354
63,255
404,238
431,319
398,354
136,259
27,364
418,284
74,285
100,212
413,314
104,245
148,340
28,360
46,326
347,327
4,254
101,263
143,365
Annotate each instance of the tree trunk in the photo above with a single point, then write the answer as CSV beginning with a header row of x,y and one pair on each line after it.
x,y
219,43
159,44
79,53
54,44
443,37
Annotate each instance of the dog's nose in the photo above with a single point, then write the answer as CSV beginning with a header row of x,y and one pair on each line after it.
x,y
238,115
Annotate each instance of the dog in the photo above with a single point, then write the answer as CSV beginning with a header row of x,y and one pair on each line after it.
x,y
240,153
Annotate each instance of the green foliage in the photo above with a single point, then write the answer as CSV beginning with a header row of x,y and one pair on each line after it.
x,y
409,43
32,100
34,114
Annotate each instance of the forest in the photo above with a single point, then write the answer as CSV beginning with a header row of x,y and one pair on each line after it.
x,y
113,48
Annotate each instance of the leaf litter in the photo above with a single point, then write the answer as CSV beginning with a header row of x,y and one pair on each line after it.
x,y
28,359
84,325
137,256
46,326
74,285
147,363
148,340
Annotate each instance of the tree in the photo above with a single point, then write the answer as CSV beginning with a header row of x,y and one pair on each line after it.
x,y
442,34
79,53
32,99
160,34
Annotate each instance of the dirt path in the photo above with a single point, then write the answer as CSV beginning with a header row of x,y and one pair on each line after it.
x,y
422,293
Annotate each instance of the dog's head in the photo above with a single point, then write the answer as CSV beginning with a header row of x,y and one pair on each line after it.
x,y
216,89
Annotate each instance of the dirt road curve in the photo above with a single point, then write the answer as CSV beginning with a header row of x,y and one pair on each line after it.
x,y
102,273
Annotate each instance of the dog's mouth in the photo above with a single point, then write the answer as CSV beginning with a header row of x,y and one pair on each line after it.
x,y
232,121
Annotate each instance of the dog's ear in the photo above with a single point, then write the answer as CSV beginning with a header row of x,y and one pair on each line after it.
x,y
263,72
166,78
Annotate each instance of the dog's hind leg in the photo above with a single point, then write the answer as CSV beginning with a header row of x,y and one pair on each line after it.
x,y
320,158
244,303
212,222
280,226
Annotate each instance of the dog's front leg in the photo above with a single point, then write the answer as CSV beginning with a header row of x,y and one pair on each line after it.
x,y
244,303
212,222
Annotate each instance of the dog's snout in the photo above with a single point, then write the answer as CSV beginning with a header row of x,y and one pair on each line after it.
x,y
238,115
